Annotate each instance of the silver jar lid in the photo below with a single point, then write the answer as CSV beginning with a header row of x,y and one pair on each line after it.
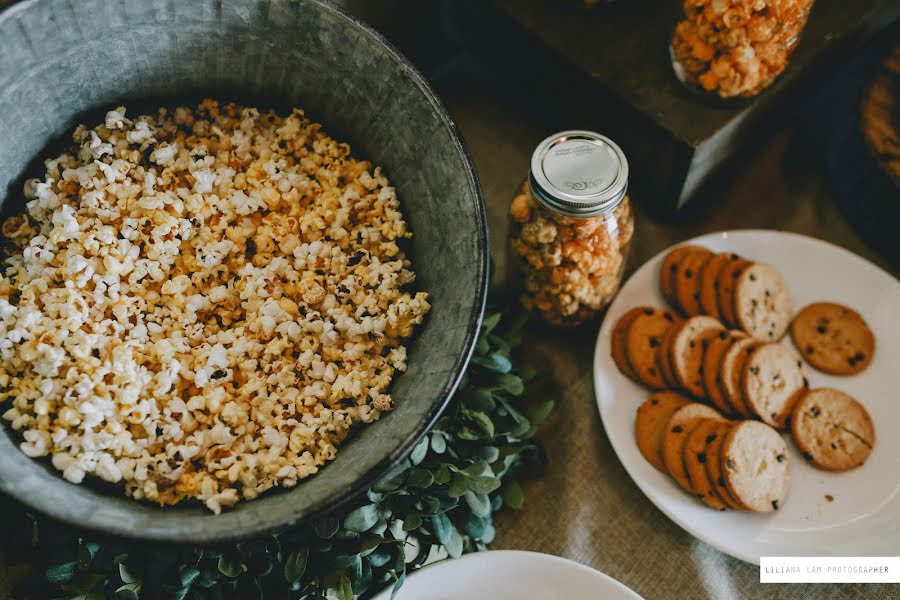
x,y
578,173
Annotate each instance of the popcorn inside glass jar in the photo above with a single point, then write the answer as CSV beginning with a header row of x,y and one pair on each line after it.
x,y
571,228
736,47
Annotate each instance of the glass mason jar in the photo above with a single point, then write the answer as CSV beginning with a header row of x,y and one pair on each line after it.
x,y
735,48
571,225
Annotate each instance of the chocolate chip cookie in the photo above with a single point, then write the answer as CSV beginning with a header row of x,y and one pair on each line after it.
x,y
726,282
650,424
772,380
669,269
833,430
712,361
682,422
687,281
663,356
762,302
833,338
730,369
756,466
714,472
642,343
709,292
695,457
619,333
688,346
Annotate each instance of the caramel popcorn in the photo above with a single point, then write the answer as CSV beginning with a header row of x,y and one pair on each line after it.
x,y
737,47
200,304
572,267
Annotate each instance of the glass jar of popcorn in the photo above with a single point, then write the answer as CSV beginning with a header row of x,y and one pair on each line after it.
x,y
733,48
571,227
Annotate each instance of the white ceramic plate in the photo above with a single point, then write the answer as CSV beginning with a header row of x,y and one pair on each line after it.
x,y
510,575
863,519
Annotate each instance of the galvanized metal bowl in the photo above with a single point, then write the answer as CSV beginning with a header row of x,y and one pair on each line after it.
x,y
62,62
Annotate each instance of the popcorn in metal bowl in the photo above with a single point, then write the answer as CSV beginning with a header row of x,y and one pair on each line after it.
x,y
202,303
56,73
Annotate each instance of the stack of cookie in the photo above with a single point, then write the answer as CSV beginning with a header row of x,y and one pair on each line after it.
x,y
727,464
737,374
721,346
743,294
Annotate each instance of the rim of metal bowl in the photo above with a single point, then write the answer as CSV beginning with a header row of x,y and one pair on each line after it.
x,y
337,499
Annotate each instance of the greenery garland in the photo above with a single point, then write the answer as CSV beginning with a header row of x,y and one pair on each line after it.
x,y
439,502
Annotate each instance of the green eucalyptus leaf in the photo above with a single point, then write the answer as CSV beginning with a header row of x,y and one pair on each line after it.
x,y
61,573
484,484
379,559
482,421
365,579
362,519
89,585
208,578
527,373
371,542
295,565
380,527
430,505
480,399
448,504
494,362
345,535
419,452
522,424
229,567
392,481
488,536
442,474
543,410
326,527
397,530
420,478
482,346
442,527
401,579
512,494
454,545
129,591
511,384
188,575
352,565
127,576
438,443
500,345
181,593
475,527
490,322
477,468
479,503
466,433
412,521
86,553
345,588
459,485
489,454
